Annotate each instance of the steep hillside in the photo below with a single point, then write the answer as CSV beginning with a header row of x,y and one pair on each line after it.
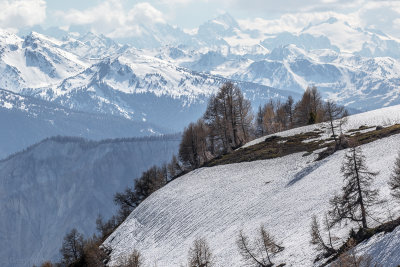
x,y
282,193
62,183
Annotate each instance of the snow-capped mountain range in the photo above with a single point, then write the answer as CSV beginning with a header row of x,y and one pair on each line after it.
x,y
116,80
90,72
166,84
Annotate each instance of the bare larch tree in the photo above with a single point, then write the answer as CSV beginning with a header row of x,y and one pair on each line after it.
x,y
309,109
260,251
193,146
260,125
318,240
72,247
357,195
135,259
200,254
394,181
174,167
228,116
336,116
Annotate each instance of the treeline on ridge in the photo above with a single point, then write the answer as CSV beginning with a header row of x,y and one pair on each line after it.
x,y
229,123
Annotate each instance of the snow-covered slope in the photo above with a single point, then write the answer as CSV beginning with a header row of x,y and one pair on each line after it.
x,y
282,193
383,247
62,183
35,61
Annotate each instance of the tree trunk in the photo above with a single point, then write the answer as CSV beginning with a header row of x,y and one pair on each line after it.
x,y
333,133
363,213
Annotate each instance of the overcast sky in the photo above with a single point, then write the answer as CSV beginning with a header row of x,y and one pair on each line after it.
x,y
104,16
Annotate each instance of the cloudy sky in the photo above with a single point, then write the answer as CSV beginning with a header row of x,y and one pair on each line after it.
x,y
106,16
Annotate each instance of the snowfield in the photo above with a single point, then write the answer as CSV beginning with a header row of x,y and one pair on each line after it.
x,y
384,248
282,193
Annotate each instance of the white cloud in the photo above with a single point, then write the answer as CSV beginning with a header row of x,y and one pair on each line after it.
x,y
175,2
295,14
379,15
121,18
104,17
145,13
112,18
281,7
15,14
294,22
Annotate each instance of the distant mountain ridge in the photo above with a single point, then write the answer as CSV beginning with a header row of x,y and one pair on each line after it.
x,y
26,120
66,182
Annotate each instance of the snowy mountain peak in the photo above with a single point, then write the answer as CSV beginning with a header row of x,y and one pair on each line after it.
x,y
34,39
222,26
287,52
331,20
7,38
91,46
93,40
35,61
226,20
352,39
